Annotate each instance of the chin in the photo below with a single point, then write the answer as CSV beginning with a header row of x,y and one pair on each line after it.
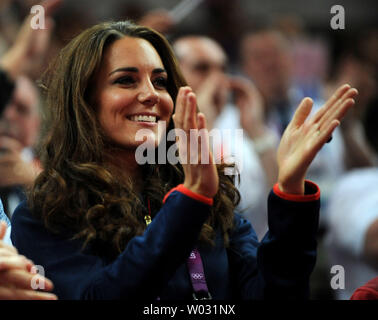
x,y
149,142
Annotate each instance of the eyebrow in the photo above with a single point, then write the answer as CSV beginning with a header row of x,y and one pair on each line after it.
x,y
133,69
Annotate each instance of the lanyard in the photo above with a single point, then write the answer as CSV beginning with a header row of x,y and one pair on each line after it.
x,y
195,267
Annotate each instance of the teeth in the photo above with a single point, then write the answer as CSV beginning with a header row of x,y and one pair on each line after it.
x,y
143,118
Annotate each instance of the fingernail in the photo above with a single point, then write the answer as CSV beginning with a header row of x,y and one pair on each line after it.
x,y
48,282
29,263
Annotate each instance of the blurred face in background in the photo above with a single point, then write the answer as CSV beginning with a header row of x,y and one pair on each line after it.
x,y
203,60
21,119
266,60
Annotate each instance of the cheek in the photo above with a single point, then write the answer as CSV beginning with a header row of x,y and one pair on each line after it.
x,y
109,105
167,106
34,127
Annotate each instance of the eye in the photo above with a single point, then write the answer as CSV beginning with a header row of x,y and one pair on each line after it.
x,y
125,80
202,67
161,82
22,109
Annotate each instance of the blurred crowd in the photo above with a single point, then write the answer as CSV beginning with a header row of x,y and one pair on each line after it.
x,y
247,74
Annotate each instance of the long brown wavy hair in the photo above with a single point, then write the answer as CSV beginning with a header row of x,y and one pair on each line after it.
x,y
79,194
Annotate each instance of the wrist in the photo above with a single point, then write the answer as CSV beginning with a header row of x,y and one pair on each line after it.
x,y
311,193
292,188
190,193
198,190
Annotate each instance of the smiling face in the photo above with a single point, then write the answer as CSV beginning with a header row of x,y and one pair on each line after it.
x,y
130,92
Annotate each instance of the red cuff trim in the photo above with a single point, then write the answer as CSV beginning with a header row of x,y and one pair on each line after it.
x,y
191,194
309,186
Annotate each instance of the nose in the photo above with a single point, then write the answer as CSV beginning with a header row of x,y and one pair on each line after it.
x,y
148,95
10,112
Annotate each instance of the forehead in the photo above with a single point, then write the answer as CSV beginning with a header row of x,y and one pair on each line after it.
x,y
264,41
203,50
129,51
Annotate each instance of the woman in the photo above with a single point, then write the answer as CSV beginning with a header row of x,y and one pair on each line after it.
x,y
88,217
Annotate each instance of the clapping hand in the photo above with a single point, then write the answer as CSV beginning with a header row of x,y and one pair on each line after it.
x,y
304,137
212,96
251,106
201,175
16,276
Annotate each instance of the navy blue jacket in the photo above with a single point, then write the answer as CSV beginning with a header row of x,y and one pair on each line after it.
x,y
154,264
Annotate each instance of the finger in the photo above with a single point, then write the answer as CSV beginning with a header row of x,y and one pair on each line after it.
x,y
10,144
237,84
199,139
241,84
337,110
180,107
42,41
204,141
7,293
324,134
302,112
241,91
9,158
335,97
190,127
7,250
201,121
190,118
23,280
16,278
178,118
340,91
3,229
315,139
15,262
326,112
341,111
